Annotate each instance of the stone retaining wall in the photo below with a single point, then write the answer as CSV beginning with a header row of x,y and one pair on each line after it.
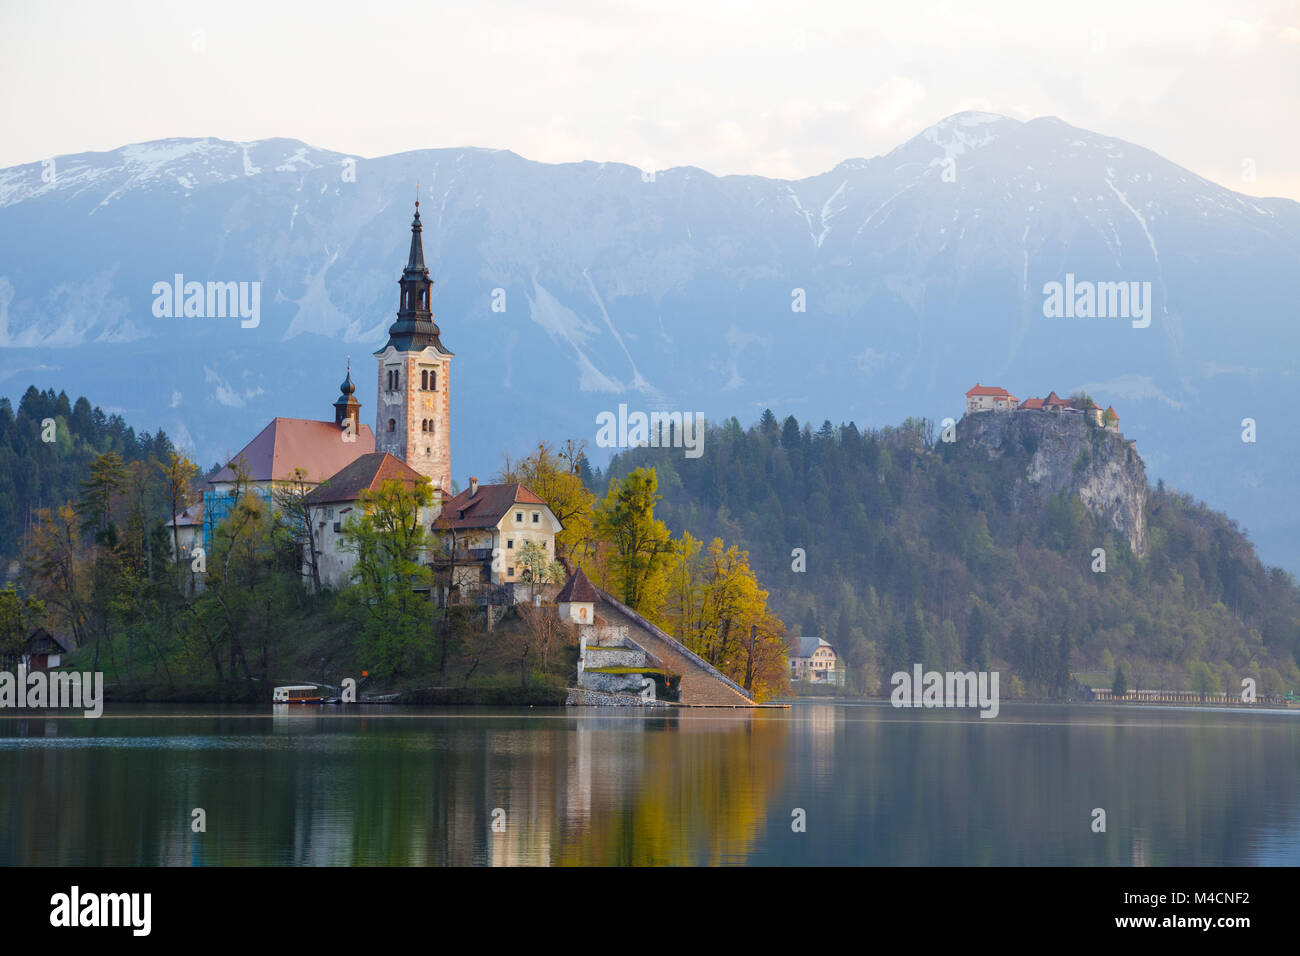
x,y
581,697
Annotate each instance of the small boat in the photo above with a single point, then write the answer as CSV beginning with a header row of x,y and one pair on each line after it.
x,y
299,694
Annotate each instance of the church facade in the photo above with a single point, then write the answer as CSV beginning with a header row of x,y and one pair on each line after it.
x,y
333,464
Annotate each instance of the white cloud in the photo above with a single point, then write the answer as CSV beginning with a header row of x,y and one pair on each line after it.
x,y
225,393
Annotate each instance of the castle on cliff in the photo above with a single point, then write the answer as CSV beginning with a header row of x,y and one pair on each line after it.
x,y
995,398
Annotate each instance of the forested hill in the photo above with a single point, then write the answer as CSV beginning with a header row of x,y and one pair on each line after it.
x,y
922,550
35,473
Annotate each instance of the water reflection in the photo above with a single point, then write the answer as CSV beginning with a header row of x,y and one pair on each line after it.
x,y
507,788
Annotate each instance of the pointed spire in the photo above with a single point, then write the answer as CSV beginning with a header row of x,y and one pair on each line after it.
x,y
415,329
415,261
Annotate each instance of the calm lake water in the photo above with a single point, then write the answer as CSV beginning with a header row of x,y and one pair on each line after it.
x,y
877,786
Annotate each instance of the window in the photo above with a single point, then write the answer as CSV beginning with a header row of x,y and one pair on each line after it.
x,y
519,517
392,425
433,381
510,543
510,572
424,380
424,424
536,517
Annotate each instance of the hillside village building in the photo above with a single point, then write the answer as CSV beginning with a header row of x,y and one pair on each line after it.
x,y
475,535
483,529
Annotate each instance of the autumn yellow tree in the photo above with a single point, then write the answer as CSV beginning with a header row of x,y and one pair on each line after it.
x,y
178,474
58,565
713,604
553,476
639,543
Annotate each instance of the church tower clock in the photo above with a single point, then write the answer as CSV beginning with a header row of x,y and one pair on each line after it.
x,y
413,420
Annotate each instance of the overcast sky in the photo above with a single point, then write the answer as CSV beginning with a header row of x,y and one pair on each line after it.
x,y
777,88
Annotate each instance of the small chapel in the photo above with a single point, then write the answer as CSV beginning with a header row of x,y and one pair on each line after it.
x,y
478,531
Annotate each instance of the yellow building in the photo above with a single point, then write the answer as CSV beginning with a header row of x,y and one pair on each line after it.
x,y
815,661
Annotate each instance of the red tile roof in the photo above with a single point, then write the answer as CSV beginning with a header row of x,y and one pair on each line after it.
x,y
367,473
289,443
485,509
995,390
1110,410
1033,404
577,589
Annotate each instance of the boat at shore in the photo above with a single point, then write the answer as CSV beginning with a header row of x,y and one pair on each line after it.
x,y
300,694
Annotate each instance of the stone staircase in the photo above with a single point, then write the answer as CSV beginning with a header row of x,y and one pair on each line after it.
x,y
702,685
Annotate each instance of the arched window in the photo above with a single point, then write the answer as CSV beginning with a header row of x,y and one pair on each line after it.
x,y
392,425
424,380
433,381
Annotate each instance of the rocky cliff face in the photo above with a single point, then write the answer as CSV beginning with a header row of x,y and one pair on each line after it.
x,y
1068,454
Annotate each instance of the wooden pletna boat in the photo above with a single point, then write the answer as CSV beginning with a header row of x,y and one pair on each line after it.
x,y
299,694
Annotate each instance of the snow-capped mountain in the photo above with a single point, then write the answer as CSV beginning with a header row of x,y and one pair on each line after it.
x,y
921,272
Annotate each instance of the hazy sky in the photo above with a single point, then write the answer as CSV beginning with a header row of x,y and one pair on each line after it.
x,y
776,88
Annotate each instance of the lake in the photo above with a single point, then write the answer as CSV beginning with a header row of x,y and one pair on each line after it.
x,y
870,784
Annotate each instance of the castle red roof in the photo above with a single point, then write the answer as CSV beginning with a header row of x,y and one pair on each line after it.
x,y
994,390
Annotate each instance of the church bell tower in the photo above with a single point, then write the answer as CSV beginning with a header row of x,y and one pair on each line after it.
x,y
413,419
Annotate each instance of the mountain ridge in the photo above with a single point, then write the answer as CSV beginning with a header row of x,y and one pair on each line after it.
x,y
673,289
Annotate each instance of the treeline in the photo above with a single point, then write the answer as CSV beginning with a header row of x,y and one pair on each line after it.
x,y
46,449
899,550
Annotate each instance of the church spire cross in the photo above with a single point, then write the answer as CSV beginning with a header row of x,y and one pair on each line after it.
x,y
415,329
415,261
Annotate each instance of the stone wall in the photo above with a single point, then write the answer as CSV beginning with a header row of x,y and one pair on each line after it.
x,y
614,657
637,684
581,697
